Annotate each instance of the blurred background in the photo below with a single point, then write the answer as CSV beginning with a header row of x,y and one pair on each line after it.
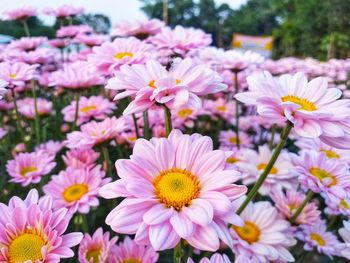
x,y
302,28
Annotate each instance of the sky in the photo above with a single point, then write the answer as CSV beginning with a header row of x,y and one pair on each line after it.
x,y
117,10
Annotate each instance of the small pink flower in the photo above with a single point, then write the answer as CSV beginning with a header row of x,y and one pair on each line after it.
x,y
50,147
76,189
80,158
26,107
344,248
73,31
27,168
238,61
91,39
27,43
96,248
3,86
17,73
138,28
31,230
336,205
130,251
228,139
64,11
21,13
222,108
215,258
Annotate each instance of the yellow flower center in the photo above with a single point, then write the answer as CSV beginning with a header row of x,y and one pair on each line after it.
x,y
132,260
233,140
318,238
322,174
262,166
93,254
330,154
176,188
152,84
232,160
184,113
88,108
303,103
344,204
75,192
123,55
13,76
132,139
178,81
25,170
221,108
26,247
249,232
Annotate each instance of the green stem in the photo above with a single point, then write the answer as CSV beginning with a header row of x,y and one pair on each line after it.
x,y
136,127
167,117
273,133
269,166
37,117
237,110
308,197
331,222
18,118
105,154
25,27
146,129
178,253
76,115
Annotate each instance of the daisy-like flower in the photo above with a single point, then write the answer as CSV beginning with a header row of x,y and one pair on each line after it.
x,y
80,158
96,248
27,168
238,61
228,139
184,116
27,43
264,236
253,163
32,231
26,107
312,108
17,73
180,40
110,56
50,147
172,192
316,236
76,189
289,201
336,205
215,258
95,107
64,11
221,107
3,88
73,30
91,40
152,83
21,13
140,29
93,133
322,175
130,251
344,248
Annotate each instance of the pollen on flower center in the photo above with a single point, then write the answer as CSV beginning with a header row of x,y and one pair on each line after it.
x,y
262,166
88,108
93,255
344,204
13,76
152,84
184,113
330,154
322,174
303,103
221,108
176,188
25,248
232,160
131,260
75,192
318,238
123,54
233,140
250,232
28,169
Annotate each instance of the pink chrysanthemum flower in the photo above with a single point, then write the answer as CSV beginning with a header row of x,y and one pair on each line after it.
x,y
215,258
140,29
238,61
76,189
91,40
172,192
312,108
252,163
73,30
27,43
96,107
26,107
50,147
32,231
264,236
80,158
27,168
93,133
17,73
316,236
184,116
228,139
3,85
287,203
344,248
221,107
180,40
110,56
152,84
77,75
321,174
130,251
64,11
336,205
96,248
21,13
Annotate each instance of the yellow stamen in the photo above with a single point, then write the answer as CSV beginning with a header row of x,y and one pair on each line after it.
x,y
233,140
221,108
25,170
250,232
262,166
318,238
323,174
75,192
93,254
184,113
123,54
152,84
132,260
88,108
13,76
303,103
344,204
176,188
232,160
178,81
330,154
26,247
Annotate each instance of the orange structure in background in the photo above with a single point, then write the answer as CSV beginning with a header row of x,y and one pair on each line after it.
x,y
260,44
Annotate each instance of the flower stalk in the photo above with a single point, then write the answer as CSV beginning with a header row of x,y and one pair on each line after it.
x,y
300,209
168,124
37,117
